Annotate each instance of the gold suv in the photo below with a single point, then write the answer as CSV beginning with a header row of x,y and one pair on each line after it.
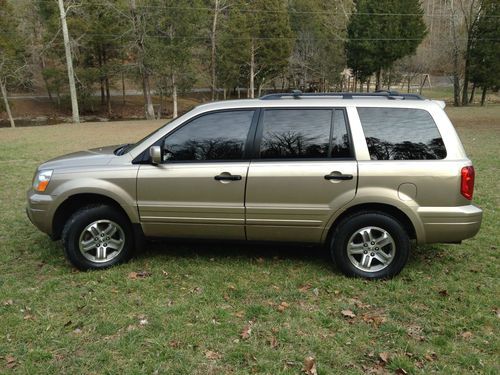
x,y
362,174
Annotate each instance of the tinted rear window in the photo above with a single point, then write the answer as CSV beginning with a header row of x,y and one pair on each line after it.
x,y
304,133
401,134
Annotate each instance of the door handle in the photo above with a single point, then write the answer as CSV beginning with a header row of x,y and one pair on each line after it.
x,y
227,177
338,176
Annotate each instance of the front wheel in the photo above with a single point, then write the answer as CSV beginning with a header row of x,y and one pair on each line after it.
x,y
97,236
372,245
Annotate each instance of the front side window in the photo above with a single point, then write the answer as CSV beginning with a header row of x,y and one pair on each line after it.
x,y
303,133
214,136
401,134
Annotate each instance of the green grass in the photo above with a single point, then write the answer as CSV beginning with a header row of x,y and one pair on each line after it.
x,y
440,315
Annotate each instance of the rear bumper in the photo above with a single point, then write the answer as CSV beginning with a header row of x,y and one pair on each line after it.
x,y
450,224
39,211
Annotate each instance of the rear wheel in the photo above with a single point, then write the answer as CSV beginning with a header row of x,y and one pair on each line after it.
x,y
371,244
97,236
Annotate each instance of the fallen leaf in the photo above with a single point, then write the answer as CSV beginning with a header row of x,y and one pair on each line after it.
x,y
131,327
401,371
283,306
415,331
210,354
29,317
143,322
11,361
68,323
375,317
273,342
467,335
316,292
138,275
444,293
164,273
310,366
431,357
384,357
348,314
358,303
260,260
239,314
8,302
247,331
77,331
497,312
304,288
174,344
197,290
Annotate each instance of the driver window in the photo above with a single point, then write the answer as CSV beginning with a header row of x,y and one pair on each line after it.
x,y
214,136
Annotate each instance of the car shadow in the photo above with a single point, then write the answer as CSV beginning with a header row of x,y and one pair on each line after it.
x,y
222,249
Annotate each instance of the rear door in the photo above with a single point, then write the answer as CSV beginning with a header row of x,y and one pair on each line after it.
x,y
304,172
199,189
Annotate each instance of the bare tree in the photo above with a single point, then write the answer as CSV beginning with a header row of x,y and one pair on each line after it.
x,y
69,63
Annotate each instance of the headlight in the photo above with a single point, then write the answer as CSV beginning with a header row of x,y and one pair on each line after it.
x,y
42,179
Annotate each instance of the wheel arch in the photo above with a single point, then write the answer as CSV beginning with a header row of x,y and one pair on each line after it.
x,y
73,203
391,210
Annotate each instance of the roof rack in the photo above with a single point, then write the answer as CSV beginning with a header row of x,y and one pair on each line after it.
x,y
297,94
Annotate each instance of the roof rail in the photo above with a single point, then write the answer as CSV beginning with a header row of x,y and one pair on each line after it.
x,y
297,94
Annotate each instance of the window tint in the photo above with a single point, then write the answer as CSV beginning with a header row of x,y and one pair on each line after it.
x,y
296,133
215,136
401,134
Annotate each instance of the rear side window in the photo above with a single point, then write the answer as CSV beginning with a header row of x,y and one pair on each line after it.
x,y
401,134
304,133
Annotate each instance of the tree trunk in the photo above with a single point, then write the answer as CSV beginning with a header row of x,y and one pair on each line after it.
x,y
465,88
101,76
483,96
3,89
49,93
106,82
473,91
174,96
123,88
377,82
69,62
252,69
150,113
456,67
368,82
213,52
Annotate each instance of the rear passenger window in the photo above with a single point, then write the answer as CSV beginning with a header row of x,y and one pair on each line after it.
x,y
304,133
401,134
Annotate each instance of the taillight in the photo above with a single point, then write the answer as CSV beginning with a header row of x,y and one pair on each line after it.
x,y
467,183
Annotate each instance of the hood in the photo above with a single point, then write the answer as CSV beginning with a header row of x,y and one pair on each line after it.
x,y
92,157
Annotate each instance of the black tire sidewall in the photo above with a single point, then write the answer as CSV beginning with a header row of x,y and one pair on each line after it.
x,y
352,224
77,223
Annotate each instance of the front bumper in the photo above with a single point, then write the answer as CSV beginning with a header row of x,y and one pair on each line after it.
x,y
39,210
450,224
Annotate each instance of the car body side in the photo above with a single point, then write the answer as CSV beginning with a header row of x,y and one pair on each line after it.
x,y
424,194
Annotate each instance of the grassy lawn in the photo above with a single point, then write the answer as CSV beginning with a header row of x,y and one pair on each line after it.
x,y
234,309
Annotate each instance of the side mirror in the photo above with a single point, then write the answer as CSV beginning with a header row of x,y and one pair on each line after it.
x,y
155,154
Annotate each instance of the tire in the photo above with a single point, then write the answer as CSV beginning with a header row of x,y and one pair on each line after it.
x,y
370,244
96,237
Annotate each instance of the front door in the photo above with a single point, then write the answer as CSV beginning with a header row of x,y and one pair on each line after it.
x,y
199,189
306,170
